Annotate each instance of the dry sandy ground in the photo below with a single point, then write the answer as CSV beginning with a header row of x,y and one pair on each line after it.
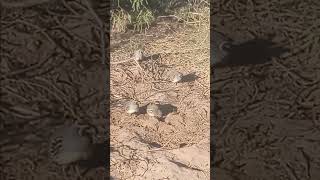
x,y
267,115
51,75
178,147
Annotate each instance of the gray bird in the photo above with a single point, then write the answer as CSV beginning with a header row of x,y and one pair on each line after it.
x,y
132,107
176,77
221,46
173,76
154,110
138,55
69,144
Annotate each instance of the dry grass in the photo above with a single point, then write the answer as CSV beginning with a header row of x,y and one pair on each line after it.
x,y
120,20
141,19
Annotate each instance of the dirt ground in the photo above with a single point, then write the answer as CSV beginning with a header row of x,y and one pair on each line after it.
x,y
266,121
178,146
51,75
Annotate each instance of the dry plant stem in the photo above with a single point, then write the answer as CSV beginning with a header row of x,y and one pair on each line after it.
x,y
304,81
102,35
79,174
75,36
289,171
69,8
22,3
42,31
22,113
65,175
119,62
39,29
28,69
9,90
138,64
54,91
101,26
164,90
162,149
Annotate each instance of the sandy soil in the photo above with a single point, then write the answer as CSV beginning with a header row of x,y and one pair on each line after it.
x,y
51,75
267,116
265,121
168,149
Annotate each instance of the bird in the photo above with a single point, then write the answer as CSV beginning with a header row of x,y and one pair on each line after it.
x,y
69,145
225,51
132,107
255,51
176,76
221,47
173,76
154,110
138,55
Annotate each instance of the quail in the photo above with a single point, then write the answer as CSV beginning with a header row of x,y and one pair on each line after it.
x,y
68,145
132,107
138,55
176,77
154,110
221,47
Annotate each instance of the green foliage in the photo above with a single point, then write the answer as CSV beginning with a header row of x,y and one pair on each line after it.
x,y
137,4
139,13
143,20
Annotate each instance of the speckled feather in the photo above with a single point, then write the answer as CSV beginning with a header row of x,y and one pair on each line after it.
x,y
153,110
138,55
132,107
175,76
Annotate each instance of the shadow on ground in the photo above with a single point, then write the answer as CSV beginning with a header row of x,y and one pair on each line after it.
x,y
252,52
